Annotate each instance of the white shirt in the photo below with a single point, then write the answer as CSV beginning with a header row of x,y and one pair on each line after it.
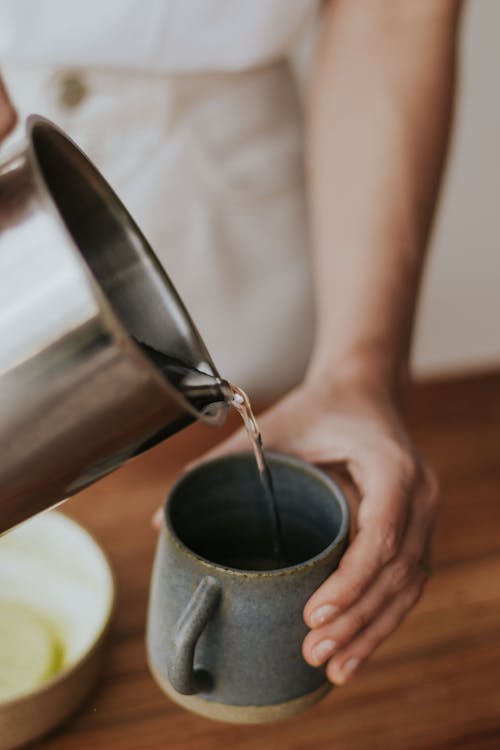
x,y
151,35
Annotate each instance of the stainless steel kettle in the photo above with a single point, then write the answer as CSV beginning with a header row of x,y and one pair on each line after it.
x,y
99,358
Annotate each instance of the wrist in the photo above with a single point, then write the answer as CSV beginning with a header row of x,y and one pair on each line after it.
x,y
369,369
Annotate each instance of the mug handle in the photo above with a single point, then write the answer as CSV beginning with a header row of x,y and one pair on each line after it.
x,y
193,619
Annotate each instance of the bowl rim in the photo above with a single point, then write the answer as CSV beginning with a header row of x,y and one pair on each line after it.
x,y
58,678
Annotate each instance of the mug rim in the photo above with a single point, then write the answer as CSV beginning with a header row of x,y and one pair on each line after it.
x,y
292,461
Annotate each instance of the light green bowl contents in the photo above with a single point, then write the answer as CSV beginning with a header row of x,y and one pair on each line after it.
x,y
56,595
30,650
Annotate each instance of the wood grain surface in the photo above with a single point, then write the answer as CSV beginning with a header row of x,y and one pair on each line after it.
x,y
434,686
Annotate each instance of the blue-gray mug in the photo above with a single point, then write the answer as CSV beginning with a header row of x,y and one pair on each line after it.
x,y
225,622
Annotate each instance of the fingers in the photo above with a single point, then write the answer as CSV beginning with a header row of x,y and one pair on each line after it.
x,y
395,497
346,627
355,632
382,522
346,661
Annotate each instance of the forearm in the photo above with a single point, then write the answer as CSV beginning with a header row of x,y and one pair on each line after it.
x,y
379,119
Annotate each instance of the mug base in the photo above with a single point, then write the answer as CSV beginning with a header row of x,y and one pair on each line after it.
x,y
240,714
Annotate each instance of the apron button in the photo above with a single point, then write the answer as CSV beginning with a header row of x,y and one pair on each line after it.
x,y
72,90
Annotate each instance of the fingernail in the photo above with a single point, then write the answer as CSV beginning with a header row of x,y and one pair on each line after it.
x,y
323,650
323,614
347,671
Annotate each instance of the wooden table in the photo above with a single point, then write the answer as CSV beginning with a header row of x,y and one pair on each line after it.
x,y
435,685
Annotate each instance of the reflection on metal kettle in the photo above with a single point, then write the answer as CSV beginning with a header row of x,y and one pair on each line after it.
x,y
99,358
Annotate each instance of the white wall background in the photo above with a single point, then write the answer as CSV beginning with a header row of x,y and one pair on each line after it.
x,y
459,318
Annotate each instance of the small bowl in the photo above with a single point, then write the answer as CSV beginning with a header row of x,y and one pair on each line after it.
x,y
56,580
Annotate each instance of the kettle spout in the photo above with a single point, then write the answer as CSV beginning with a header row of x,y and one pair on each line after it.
x,y
210,395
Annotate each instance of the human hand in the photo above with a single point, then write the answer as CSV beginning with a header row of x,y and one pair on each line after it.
x,y
8,116
383,572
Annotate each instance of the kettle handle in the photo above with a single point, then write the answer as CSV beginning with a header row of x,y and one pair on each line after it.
x,y
193,619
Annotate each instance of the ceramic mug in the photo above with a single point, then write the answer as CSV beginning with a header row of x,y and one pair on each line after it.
x,y
225,623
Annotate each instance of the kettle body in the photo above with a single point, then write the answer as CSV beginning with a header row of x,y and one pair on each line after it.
x,y
83,303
